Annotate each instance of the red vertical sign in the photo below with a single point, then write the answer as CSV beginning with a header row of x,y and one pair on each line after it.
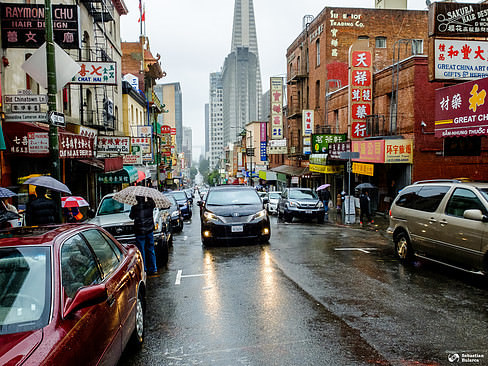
x,y
360,88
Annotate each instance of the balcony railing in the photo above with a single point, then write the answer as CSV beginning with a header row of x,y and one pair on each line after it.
x,y
101,123
100,10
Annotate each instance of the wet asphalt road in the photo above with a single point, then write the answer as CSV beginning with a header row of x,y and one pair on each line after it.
x,y
318,294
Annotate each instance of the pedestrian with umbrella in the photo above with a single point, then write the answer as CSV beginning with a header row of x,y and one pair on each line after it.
x,y
71,207
324,196
41,210
143,201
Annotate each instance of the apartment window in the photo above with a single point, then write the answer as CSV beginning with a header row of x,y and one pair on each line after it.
x,y
317,94
363,37
380,42
417,46
317,47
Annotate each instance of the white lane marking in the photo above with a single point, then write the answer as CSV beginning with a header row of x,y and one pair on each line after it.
x,y
180,275
364,250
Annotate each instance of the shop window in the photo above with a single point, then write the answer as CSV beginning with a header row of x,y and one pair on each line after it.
x,y
462,146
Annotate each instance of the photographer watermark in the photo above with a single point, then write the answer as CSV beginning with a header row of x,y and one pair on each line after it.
x,y
466,357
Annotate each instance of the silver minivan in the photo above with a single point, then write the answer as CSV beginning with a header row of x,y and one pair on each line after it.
x,y
442,220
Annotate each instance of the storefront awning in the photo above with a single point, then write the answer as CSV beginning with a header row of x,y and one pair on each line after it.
x,y
127,175
294,171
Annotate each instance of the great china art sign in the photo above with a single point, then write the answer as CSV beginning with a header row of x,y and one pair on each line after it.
x,y
462,110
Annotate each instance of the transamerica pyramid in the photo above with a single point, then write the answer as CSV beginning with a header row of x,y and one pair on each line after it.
x,y
242,86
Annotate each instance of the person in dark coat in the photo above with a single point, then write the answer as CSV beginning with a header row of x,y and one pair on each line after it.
x,y
365,207
142,214
41,210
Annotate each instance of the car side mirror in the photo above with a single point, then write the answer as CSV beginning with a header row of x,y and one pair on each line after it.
x,y
86,296
475,215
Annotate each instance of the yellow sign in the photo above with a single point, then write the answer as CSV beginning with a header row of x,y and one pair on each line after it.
x,y
398,151
363,169
326,169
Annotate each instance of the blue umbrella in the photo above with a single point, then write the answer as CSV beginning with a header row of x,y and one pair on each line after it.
x,y
5,192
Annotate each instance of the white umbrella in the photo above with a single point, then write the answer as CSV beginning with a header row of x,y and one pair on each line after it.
x,y
48,182
128,195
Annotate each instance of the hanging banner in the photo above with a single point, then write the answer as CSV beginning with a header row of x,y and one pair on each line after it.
x,y
360,87
96,72
307,122
276,104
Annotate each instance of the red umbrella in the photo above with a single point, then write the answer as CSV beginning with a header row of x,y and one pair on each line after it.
x,y
141,176
73,201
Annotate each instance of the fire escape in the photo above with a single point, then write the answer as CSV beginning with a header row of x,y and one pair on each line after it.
x,y
100,112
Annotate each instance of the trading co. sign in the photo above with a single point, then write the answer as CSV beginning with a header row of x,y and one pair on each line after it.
x,y
462,110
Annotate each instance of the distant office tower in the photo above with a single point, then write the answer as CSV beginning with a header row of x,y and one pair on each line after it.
x,y
241,75
216,121
187,146
207,131
170,95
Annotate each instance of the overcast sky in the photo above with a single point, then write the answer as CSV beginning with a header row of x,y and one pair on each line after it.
x,y
193,38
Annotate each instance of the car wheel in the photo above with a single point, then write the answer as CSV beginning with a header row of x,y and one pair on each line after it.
x,y
403,249
180,226
287,217
137,337
320,219
206,242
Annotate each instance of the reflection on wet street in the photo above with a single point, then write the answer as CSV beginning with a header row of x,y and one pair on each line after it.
x,y
316,295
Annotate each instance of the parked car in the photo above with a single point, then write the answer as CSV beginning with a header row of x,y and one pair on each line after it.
x,y
175,215
442,220
234,213
273,198
301,203
71,295
189,194
183,202
113,216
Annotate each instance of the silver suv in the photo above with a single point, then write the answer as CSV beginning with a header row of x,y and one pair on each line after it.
x,y
113,216
444,221
300,203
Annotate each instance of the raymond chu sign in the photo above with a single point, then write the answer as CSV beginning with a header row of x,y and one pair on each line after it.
x,y
462,110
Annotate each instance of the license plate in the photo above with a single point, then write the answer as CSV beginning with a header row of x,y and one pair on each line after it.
x,y
237,229
308,212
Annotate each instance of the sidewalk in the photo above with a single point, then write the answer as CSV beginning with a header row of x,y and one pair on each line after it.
x,y
381,222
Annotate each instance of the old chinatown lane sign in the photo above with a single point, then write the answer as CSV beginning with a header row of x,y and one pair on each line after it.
x,y
462,110
23,25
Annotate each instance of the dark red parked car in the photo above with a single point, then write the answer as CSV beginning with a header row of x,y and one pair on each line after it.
x,y
69,295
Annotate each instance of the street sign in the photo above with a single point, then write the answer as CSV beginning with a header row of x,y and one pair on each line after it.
x,y
56,119
22,108
250,151
25,99
349,155
26,117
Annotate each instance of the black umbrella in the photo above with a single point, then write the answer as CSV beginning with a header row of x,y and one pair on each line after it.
x,y
48,182
365,186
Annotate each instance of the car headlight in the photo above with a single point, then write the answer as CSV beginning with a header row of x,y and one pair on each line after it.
x,y
156,226
293,203
209,216
258,215
320,204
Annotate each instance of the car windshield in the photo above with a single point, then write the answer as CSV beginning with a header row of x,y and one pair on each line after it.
x,y
233,197
179,195
275,196
110,206
303,193
25,288
484,193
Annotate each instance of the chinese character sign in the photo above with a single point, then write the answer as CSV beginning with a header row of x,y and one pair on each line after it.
x,y
23,25
96,73
462,110
276,103
398,151
360,88
460,60
307,122
262,140
371,151
113,144
321,142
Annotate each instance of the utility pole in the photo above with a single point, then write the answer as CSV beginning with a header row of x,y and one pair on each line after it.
x,y
51,93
